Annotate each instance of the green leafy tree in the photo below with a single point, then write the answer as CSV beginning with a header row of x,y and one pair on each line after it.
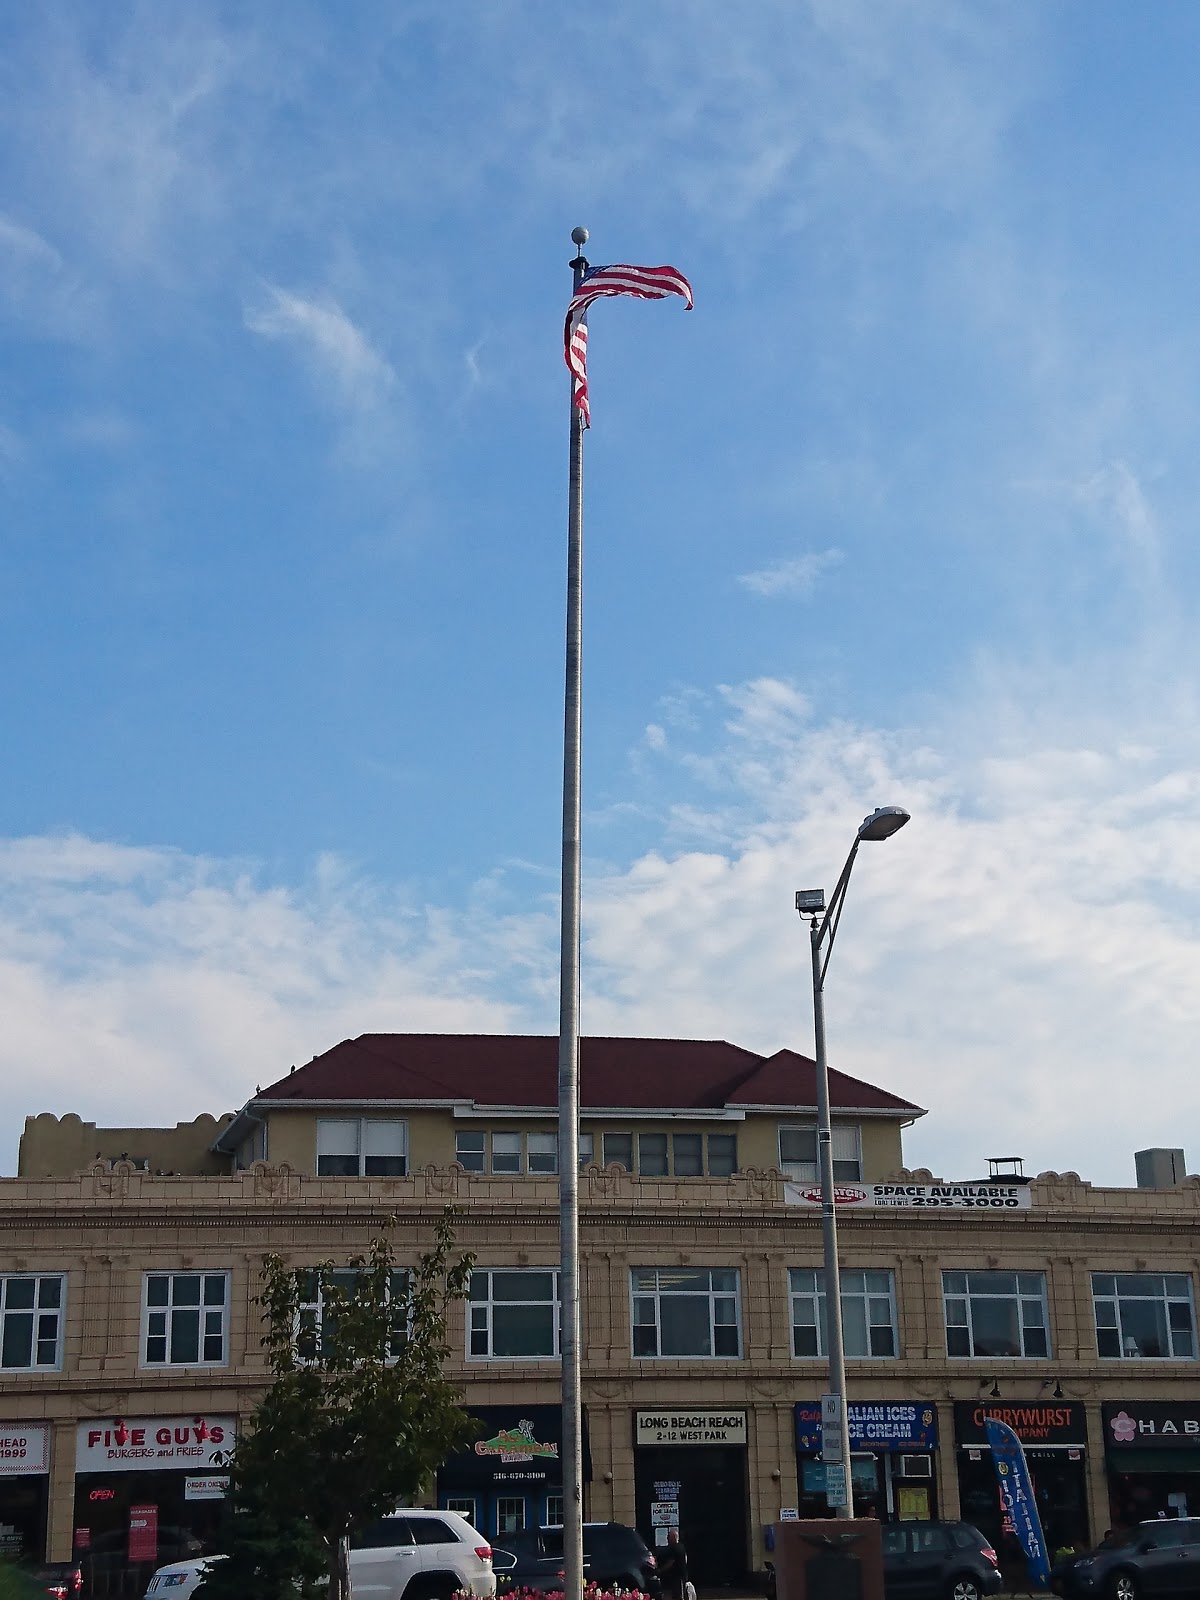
x,y
358,1417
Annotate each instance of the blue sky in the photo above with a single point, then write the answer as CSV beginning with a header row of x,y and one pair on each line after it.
x,y
903,512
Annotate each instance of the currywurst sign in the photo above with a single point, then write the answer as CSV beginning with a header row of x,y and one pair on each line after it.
x,y
946,1196
673,1425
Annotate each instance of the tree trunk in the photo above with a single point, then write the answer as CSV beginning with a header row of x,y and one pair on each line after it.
x,y
339,1570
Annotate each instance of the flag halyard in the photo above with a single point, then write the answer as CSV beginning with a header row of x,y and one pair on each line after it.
x,y
643,283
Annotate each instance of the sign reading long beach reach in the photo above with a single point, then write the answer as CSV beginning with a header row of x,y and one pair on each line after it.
x,y
674,1425
947,1196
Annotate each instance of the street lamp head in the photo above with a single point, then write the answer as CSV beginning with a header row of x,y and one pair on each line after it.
x,y
883,822
810,902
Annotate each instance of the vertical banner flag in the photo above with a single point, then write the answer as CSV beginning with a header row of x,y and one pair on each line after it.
x,y
644,283
1017,1498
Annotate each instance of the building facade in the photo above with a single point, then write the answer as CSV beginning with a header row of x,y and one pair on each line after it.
x,y
129,1339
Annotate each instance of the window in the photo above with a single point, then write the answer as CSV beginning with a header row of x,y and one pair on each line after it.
x,y
722,1155
470,1151
618,1150
685,1311
868,1313
317,1314
361,1147
31,1322
652,1155
506,1152
542,1151
798,1153
510,1513
1144,1314
587,1149
464,1504
390,1533
688,1150
514,1313
186,1319
432,1530
554,1510
995,1313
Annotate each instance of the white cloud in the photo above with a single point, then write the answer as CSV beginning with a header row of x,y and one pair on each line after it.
x,y
796,575
1021,959
338,350
27,245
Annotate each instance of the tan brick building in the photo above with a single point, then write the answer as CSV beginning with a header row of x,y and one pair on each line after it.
x,y
129,1258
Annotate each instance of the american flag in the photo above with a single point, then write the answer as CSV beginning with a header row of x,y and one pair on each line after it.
x,y
645,283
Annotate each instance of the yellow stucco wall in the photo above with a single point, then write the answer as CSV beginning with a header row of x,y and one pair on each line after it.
x,y
55,1147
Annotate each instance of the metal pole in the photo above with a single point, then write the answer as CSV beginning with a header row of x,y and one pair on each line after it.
x,y
833,1278
568,1016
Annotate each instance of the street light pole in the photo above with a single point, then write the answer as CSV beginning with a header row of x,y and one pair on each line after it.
x,y
881,824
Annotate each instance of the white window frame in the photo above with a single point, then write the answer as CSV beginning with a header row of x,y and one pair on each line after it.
x,y
655,1292
310,1310
481,1319
526,1152
361,1154
511,1500
1163,1300
845,1144
35,1312
480,1155
204,1310
854,1288
587,1147
1021,1296
554,1509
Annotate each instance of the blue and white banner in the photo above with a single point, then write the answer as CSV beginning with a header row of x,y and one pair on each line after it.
x,y
1017,1498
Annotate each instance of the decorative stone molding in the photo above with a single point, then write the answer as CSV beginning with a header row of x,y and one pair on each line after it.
x,y
111,1180
270,1182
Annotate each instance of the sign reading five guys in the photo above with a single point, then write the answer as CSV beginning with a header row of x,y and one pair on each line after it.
x,y
150,1444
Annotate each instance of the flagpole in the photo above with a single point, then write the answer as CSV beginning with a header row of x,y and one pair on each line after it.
x,y
568,1012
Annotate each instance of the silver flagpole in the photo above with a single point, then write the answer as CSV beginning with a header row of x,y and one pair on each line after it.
x,y
568,1015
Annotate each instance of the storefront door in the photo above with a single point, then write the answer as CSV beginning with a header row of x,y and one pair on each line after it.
x,y
708,1482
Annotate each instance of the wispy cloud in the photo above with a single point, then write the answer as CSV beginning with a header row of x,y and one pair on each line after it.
x,y
795,575
337,350
27,245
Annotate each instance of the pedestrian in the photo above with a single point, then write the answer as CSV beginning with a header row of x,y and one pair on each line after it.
x,y
673,1567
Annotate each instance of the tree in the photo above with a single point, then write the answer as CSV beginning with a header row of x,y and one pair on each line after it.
x,y
358,1417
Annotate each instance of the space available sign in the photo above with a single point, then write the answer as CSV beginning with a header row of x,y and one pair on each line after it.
x,y
1159,1424
874,1425
24,1448
677,1425
946,1196
151,1444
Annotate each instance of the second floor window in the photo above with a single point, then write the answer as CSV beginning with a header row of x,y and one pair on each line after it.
x,y
798,1158
513,1313
31,1308
672,1155
317,1312
868,1313
686,1311
186,1319
361,1147
995,1313
1144,1314
532,1153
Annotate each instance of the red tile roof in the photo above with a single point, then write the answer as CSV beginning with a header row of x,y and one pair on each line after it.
x,y
522,1070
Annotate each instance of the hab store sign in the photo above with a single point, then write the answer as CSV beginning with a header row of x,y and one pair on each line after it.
x,y
1162,1425
945,1196
153,1444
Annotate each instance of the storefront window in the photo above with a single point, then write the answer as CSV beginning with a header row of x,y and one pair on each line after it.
x,y
31,1321
682,1311
514,1313
186,1319
1144,1314
996,1313
868,1313
510,1513
361,1147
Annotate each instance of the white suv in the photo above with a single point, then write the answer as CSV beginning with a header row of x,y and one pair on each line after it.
x,y
411,1555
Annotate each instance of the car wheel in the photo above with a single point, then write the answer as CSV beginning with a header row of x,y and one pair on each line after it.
x,y
1123,1586
963,1587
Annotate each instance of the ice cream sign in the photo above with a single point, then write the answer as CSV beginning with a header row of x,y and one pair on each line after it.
x,y
152,1444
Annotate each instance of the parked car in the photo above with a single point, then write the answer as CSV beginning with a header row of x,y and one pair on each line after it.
x,y
411,1555
932,1561
612,1555
1151,1558
62,1580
